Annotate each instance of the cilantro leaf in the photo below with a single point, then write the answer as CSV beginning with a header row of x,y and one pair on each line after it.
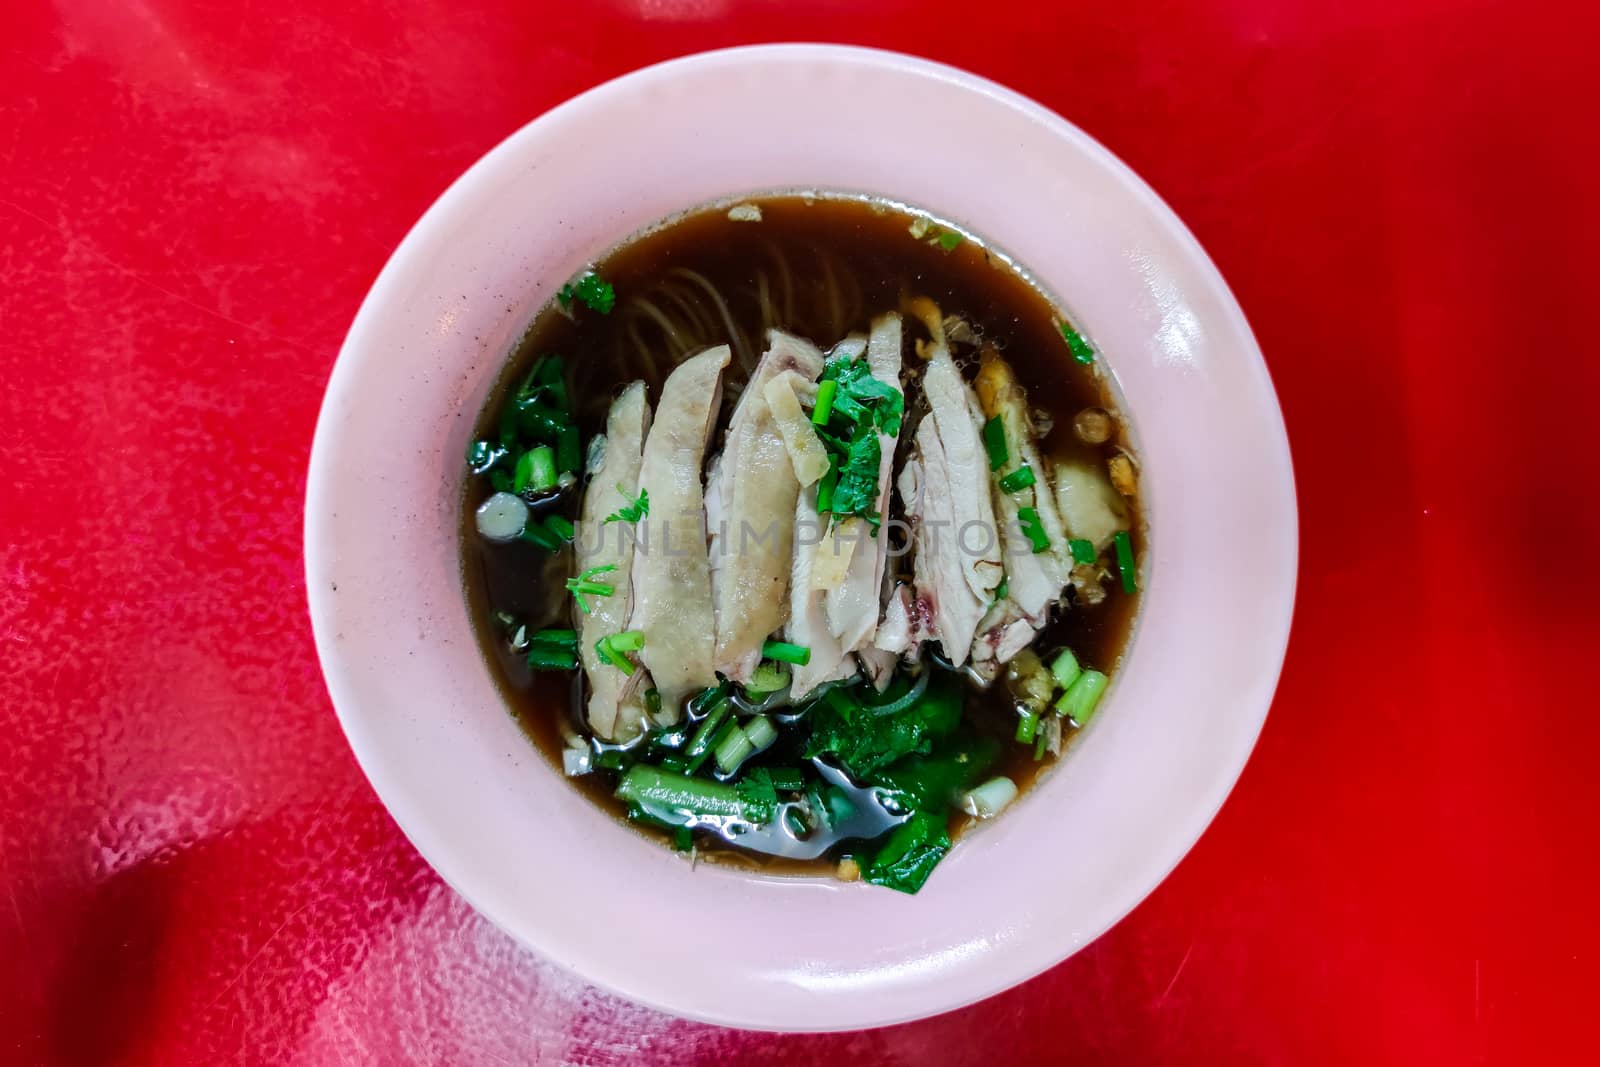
x,y
631,511
857,488
859,391
758,798
592,291
911,852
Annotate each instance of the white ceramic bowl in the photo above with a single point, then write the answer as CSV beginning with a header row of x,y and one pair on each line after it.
x,y
501,826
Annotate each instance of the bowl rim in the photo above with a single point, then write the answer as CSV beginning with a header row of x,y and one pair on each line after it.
x,y
387,288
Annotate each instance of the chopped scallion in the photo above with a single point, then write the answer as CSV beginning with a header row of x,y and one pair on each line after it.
x,y
824,408
1082,551
1130,574
760,732
994,442
784,652
1017,480
950,241
628,641
1027,726
733,750
607,652
567,458
1080,348
1082,697
536,470
551,658
767,678
1033,529
558,527
825,487
1064,668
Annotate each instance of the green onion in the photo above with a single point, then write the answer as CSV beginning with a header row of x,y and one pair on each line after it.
x,y
700,743
760,732
539,420
1017,480
675,764
1082,551
767,678
1080,700
1130,575
541,469
824,408
994,442
795,822
500,481
826,486
989,799
656,791
558,527
551,658
1027,726
604,649
734,750
482,455
1033,529
950,241
567,639
628,641
567,458
784,652
1080,348
1039,744
1065,668
539,535
652,701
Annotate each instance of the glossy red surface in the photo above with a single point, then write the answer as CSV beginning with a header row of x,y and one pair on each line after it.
x,y
193,199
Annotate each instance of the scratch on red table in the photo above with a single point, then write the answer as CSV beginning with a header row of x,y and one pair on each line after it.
x,y
257,955
140,279
1162,999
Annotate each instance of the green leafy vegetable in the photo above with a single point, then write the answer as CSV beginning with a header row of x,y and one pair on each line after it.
x,y
910,853
591,290
929,783
864,741
1075,342
632,510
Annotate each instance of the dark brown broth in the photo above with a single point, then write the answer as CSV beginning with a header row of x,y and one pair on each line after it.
x,y
869,243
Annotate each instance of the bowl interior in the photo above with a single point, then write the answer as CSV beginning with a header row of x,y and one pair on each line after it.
x,y
416,700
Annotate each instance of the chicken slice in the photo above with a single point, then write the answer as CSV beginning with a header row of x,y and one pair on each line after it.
x,y
808,624
672,572
957,421
613,483
751,496
854,606
943,594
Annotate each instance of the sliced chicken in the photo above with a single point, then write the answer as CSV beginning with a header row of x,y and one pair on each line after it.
x,y
751,495
958,421
1091,508
613,484
854,606
672,571
808,624
944,601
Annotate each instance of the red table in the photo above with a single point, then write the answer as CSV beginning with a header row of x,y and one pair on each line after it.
x,y
193,199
